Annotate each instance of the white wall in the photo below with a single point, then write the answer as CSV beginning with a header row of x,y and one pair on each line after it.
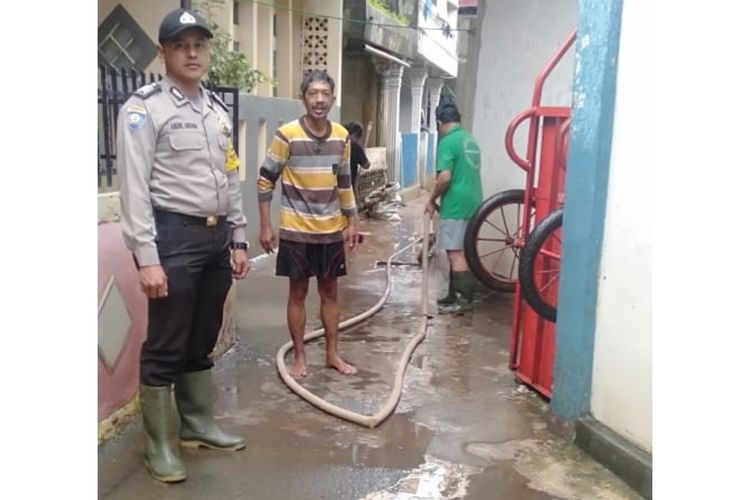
x,y
516,40
334,8
431,43
621,385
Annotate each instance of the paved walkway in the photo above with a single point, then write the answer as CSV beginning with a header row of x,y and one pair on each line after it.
x,y
463,427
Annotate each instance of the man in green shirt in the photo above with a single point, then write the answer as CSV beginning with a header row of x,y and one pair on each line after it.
x,y
459,187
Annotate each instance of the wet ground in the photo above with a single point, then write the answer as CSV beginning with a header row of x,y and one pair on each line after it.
x,y
463,427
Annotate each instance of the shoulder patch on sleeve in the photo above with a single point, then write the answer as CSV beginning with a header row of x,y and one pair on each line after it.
x,y
148,90
218,100
136,116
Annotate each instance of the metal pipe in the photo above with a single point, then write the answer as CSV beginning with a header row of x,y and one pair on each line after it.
x,y
536,98
510,133
386,55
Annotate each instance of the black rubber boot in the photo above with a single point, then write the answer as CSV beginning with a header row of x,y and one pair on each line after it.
x,y
464,287
448,299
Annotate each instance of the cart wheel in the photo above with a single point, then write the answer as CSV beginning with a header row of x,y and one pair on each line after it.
x,y
539,266
490,243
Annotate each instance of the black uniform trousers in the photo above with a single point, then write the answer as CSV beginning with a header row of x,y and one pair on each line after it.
x,y
184,326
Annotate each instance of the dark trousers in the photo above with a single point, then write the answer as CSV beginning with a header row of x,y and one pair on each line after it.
x,y
183,327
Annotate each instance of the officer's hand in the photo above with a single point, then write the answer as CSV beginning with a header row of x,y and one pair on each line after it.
x,y
153,281
267,239
351,234
240,264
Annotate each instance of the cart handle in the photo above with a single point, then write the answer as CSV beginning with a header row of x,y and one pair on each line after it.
x,y
536,98
561,147
518,120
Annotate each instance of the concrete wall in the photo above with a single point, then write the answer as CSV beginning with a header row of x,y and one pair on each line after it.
x,y
123,308
517,39
468,56
621,382
123,313
259,117
406,105
359,91
333,8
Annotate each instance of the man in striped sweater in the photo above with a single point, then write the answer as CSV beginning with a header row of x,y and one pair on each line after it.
x,y
318,213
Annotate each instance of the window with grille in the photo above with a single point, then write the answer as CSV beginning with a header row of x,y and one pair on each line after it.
x,y
122,43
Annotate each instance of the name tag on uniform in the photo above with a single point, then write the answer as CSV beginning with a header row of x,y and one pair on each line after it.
x,y
183,126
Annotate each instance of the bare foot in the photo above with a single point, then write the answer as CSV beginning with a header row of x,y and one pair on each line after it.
x,y
299,368
341,365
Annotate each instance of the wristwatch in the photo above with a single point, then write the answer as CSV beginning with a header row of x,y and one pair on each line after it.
x,y
240,245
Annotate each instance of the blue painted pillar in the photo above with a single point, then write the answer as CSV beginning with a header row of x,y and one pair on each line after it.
x,y
409,156
589,150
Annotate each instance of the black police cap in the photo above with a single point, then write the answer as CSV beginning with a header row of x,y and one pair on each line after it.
x,y
180,20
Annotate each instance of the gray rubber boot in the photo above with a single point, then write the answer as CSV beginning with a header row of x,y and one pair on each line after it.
x,y
193,396
160,460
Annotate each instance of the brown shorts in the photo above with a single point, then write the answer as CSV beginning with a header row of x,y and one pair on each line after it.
x,y
303,260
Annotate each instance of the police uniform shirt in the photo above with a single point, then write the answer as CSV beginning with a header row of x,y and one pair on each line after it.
x,y
178,157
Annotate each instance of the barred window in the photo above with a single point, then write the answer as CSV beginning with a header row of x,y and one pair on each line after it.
x,y
122,43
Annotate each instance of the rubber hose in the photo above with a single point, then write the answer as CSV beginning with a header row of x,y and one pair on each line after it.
x,y
370,421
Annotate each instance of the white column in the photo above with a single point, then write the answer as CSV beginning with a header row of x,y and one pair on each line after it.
x,y
418,77
284,49
264,49
434,85
247,32
390,78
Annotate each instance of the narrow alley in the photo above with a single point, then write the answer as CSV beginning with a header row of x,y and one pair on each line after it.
x,y
463,427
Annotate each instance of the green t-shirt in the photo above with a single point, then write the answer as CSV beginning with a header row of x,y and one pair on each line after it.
x,y
458,152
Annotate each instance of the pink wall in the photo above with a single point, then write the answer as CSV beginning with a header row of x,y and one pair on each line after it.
x,y
119,387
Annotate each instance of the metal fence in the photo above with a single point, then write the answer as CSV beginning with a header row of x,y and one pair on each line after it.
x,y
115,87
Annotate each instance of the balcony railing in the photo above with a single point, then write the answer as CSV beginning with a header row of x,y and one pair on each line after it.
x,y
413,30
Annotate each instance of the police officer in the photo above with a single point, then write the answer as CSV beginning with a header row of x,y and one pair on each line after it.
x,y
182,220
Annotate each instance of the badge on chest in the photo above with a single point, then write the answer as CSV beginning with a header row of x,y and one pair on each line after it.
x,y
224,125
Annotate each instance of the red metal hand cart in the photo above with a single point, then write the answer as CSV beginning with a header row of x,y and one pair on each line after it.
x,y
501,232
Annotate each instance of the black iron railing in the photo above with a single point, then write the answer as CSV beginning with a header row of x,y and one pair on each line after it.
x,y
115,86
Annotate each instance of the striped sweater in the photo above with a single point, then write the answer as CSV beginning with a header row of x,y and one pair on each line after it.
x,y
316,184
